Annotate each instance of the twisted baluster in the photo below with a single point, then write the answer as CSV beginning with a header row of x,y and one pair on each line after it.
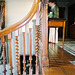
x,y
37,49
4,58
17,56
37,41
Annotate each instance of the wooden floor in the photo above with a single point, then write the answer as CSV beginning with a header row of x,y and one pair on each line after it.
x,y
59,62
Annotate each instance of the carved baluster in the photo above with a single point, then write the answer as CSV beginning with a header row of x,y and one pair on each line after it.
x,y
3,54
37,49
24,62
17,52
30,47
10,52
37,41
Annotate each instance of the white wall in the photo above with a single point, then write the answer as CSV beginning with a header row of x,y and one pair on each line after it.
x,y
15,10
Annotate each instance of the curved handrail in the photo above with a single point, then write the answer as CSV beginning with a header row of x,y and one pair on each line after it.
x,y
22,22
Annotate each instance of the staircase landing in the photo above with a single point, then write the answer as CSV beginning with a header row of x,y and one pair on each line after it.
x,y
59,62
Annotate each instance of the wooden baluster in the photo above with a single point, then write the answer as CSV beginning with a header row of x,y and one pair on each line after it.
x,y
37,41
30,47
24,62
3,54
17,52
37,49
10,52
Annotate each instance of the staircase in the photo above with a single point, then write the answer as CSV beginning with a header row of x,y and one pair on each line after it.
x,y
40,9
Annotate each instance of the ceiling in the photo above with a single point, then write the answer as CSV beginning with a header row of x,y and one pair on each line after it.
x,y
65,2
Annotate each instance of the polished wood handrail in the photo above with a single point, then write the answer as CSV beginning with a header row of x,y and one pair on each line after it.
x,y
22,22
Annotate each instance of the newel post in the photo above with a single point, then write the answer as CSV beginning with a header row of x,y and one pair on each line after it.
x,y
45,61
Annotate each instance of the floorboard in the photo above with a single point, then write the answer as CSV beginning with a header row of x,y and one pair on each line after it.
x,y
59,62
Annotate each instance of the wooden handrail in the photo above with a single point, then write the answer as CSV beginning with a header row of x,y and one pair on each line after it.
x,y
22,22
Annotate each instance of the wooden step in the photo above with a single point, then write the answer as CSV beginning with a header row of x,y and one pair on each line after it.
x,y
52,71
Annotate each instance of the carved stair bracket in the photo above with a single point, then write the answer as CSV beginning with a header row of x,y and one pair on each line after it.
x,y
45,62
